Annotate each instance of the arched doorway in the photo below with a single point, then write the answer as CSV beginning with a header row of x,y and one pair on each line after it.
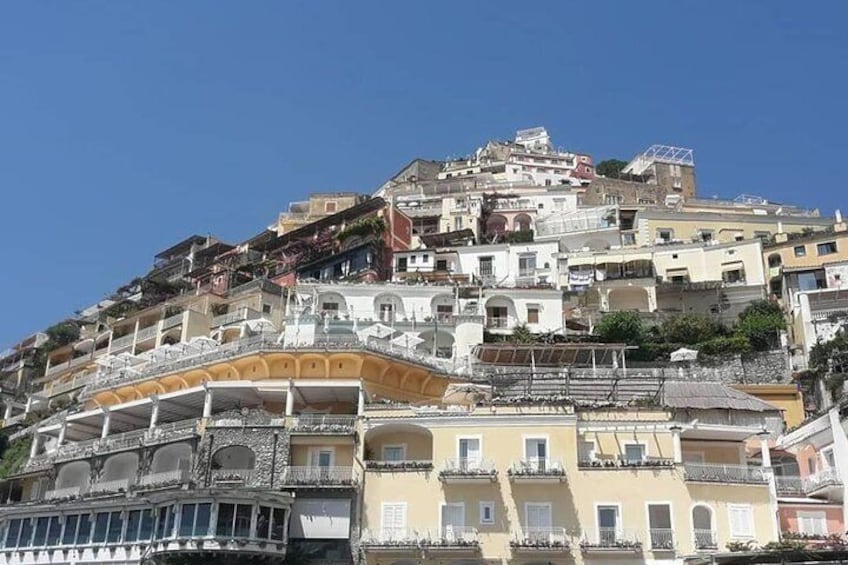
x,y
703,527
236,457
522,222
630,298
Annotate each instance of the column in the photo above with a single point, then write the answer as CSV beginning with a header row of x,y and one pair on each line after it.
x,y
290,400
675,441
360,408
62,431
28,405
207,403
764,449
7,413
154,413
107,418
33,450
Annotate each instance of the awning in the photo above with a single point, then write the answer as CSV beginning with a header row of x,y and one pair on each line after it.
x,y
732,266
638,257
609,259
578,261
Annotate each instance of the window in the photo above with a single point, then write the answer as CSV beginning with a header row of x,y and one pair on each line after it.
x,y
469,451
665,235
738,237
586,450
741,517
706,235
101,526
764,235
609,524
393,520
84,529
441,264
13,533
26,533
487,513
800,250
40,536
527,265
537,516
116,524
194,519
266,308
457,223
486,267
139,525
532,313
394,452
827,248
323,457
401,264
386,312
634,452
69,537
270,523
659,524
412,259
233,520
444,312
536,452
330,207
812,523
453,519
829,458
165,522
425,258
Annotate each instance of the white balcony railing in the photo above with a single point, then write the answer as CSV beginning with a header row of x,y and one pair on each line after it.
x,y
176,477
146,333
454,536
122,342
795,485
611,538
105,487
323,423
718,473
540,538
319,476
705,539
661,538
67,492
172,321
468,467
537,466
239,315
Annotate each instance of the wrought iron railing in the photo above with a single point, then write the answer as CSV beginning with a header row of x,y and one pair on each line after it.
x,y
719,473
318,476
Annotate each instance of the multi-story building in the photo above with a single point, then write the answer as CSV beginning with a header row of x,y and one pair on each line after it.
x,y
320,205
669,167
531,158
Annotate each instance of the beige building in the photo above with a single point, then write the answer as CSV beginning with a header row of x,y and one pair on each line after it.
x,y
319,205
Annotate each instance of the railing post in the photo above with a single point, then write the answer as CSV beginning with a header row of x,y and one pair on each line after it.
x,y
676,447
107,417
154,413
33,450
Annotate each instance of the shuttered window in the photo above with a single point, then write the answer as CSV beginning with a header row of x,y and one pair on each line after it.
x,y
741,518
812,523
394,520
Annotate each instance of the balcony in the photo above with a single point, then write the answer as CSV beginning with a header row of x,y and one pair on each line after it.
x,y
120,343
111,487
453,539
234,477
540,540
705,540
403,466
393,540
662,539
172,321
718,473
498,323
64,493
460,471
323,424
315,476
147,333
611,540
820,483
239,315
162,480
536,470
621,462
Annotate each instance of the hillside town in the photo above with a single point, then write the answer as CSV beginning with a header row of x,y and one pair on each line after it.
x,y
519,356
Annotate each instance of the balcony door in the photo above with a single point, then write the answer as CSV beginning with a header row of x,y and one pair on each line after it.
x,y
469,453
536,453
538,520
659,525
453,520
393,526
609,524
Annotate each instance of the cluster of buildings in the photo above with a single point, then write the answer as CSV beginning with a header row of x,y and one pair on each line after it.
x,y
411,378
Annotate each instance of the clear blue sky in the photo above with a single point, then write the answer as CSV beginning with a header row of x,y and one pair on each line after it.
x,y
129,125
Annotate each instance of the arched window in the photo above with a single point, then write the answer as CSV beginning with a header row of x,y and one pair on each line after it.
x,y
234,457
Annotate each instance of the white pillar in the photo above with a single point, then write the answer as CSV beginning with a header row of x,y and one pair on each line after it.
x,y
28,405
207,403
62,431
675,442
764,450
33,450
154,413
7,413
107,419
290,401
360,407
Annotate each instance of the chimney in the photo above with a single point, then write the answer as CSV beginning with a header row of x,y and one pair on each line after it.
x,y
780,236
840,225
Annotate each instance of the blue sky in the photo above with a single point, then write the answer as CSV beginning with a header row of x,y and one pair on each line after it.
x,y
129,125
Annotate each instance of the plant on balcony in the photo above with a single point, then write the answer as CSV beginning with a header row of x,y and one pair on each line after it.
x,y
399,465
467,472
363,227
525,469
452,542
537,542
785,545
229,478
740,546
611,544
14,456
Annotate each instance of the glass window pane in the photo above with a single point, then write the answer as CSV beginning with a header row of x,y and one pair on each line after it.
x,y
187,520
116,523
13,533
84,530
170,517
41,531
146,526
201,522
263,522
279,524
70,529
133,518
54,531
26,533
101,524
243,512
224,526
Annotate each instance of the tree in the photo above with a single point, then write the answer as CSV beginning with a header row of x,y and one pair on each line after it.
x,y
690,329
610,168
621,327
522,334
761,322
62,333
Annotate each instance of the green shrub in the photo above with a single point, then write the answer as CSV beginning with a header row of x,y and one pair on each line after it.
x,y
690,329
14,457
725,345
621,327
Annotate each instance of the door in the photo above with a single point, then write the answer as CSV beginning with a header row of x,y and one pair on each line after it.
x,y
401,265
453,521
393,526
608,526
322,461
538,518
469,453
536,453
